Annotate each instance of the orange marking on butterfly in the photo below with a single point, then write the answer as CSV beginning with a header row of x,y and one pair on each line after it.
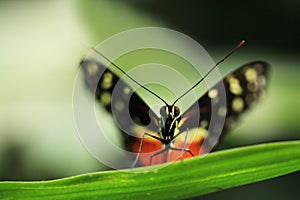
x,y
151,145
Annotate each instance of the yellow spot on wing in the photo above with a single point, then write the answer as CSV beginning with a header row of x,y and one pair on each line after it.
x,y
119,105
251,75
213,93
261,80
237,104
105,98
252,86
107,76
222,111
234,86
203,123
92,69
107,80
126,90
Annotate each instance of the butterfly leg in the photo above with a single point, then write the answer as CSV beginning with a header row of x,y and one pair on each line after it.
x,y
140,148
183,149
168,147
183,146
157,153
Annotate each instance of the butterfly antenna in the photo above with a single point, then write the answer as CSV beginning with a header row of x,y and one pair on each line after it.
x,y
220,61
120,69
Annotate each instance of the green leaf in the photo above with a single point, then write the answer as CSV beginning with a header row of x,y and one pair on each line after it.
x,y
183,179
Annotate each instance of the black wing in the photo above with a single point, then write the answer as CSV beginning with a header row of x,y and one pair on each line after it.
x,y
242,88
119,99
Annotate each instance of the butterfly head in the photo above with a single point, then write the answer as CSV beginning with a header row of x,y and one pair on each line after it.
x,y
169,111
169,121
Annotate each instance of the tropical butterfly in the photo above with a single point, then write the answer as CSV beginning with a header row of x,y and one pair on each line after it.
x,y
174,135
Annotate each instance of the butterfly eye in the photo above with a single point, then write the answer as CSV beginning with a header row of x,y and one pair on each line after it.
x,y
163,111
176,111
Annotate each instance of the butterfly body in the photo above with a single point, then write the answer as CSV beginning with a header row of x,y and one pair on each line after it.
x,y
169,122
173,134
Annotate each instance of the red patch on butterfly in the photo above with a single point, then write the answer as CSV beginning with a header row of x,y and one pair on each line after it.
x,y
150,146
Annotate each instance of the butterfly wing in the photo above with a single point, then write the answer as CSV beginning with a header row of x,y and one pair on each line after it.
x,y
130,112
243,87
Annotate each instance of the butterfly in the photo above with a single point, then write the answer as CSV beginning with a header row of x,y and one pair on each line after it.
x,y
172,135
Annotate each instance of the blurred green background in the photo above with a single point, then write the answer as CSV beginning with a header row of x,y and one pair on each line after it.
x,y
43,42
